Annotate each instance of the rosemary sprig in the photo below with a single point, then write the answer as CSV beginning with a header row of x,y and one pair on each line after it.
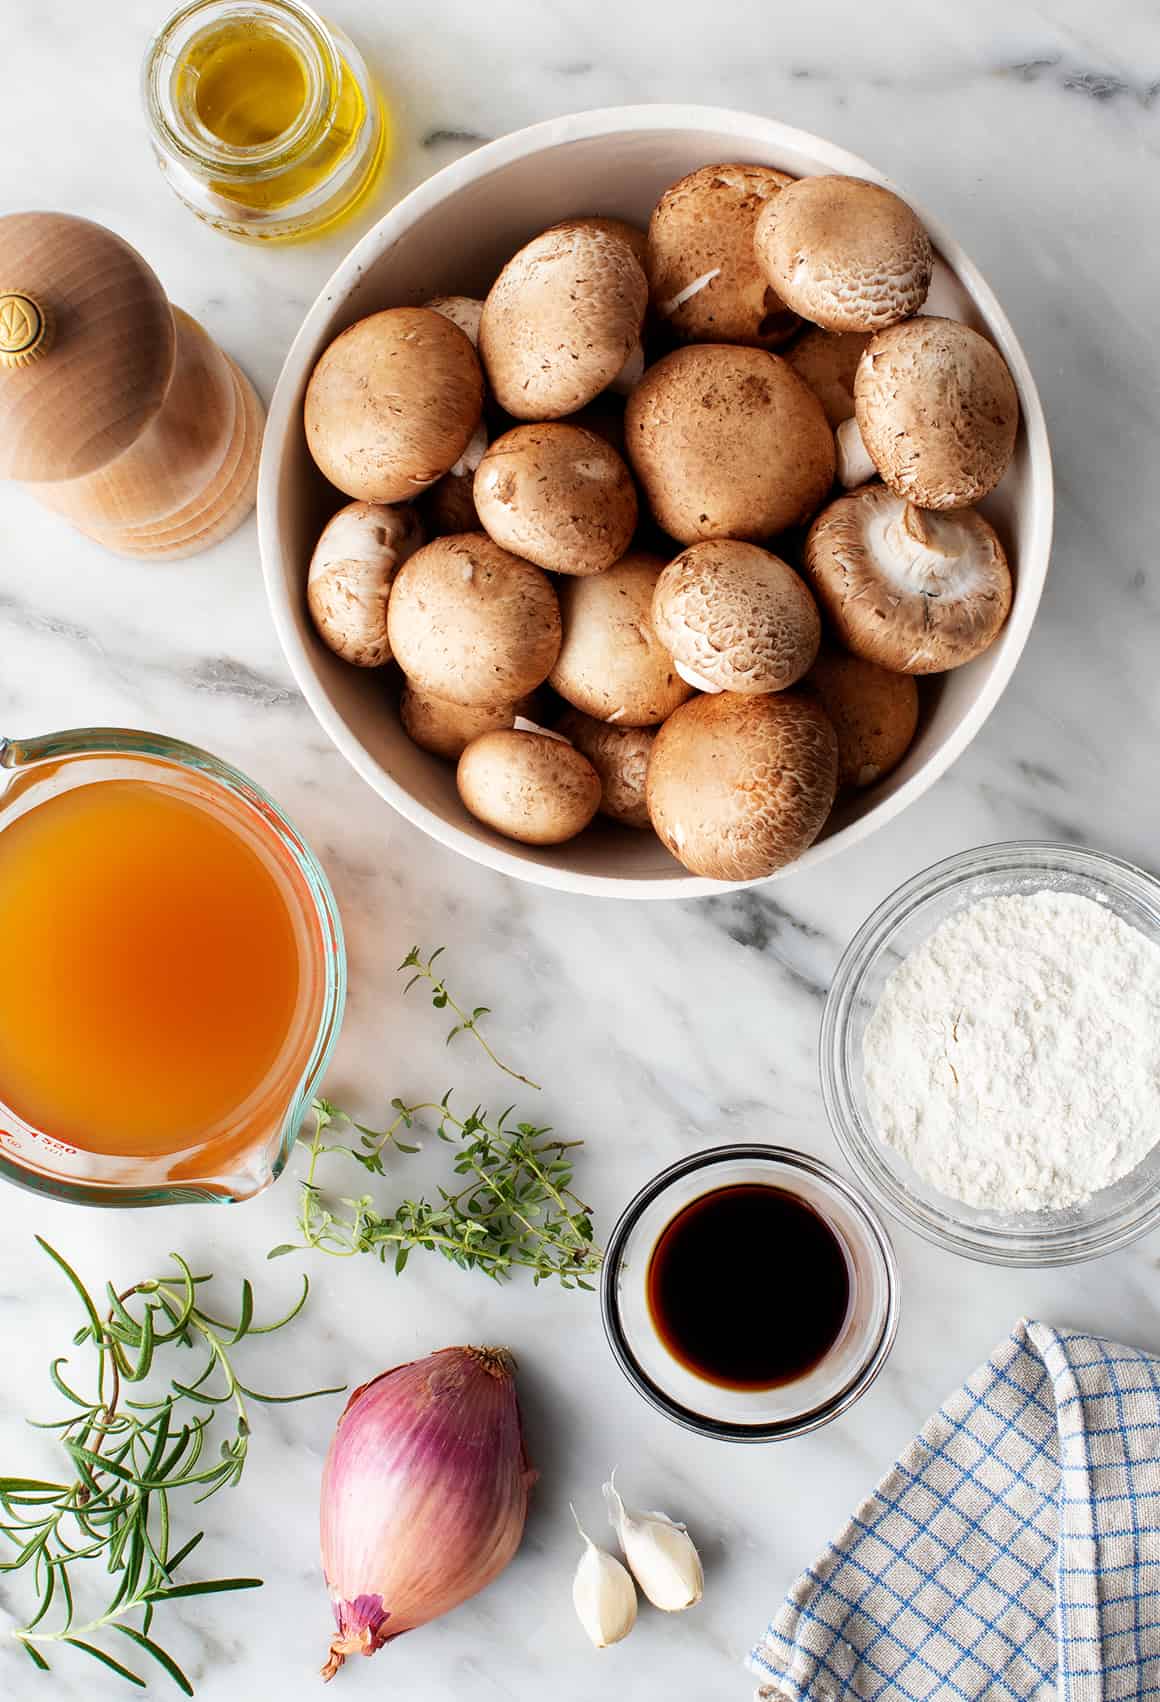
x,y
513,1208
128,1459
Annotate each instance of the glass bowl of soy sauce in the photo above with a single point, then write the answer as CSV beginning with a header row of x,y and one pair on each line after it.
x,y
749,1293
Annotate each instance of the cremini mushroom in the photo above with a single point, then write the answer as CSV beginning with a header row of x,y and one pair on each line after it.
x,y
827,361
728,443
355,560
740,786
562,319
612,665
470,623
529,786
462,310
735,618
703,273
559,496
620,757
911,589
874,712
844,253
938,411
630,373
393,403
446,729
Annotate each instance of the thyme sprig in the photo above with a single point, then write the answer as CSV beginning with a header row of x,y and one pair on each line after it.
x,y
514,1206
441,999
128,1461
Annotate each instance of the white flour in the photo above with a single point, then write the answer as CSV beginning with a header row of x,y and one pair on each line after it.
x,y
1014,1056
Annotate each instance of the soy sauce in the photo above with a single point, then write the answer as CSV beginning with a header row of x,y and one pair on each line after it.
x,y
748,1287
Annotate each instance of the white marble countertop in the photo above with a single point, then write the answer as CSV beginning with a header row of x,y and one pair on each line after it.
x,y
656,1028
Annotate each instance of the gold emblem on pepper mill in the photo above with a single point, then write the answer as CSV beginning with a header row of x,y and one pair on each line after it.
x,y
25,328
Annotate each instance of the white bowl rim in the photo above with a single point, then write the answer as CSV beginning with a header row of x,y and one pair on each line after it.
x,y
492,156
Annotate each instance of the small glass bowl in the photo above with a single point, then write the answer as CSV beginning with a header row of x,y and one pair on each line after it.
x,y
1111,1218
752,1415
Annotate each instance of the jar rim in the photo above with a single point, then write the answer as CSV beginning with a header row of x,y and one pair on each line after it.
x,y
322,63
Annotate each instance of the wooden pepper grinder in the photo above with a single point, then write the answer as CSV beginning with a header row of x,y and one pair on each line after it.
x,y
116,409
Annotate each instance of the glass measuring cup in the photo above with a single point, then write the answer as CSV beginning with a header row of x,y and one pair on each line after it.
x,y
245,1149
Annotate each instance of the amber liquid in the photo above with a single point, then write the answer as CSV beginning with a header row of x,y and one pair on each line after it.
x,y
748,1287
150,969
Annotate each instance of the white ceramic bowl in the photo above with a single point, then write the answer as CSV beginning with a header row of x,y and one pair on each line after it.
x,y
451,235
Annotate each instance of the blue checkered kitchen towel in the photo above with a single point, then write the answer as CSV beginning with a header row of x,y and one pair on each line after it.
x,y
1012,1553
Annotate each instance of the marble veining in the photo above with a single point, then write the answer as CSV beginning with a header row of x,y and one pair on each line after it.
x,y
1033,132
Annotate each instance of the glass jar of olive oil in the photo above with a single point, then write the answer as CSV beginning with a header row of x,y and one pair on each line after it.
x,y
263,117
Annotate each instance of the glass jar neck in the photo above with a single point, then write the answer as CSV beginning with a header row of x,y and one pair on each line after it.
x,y
170,93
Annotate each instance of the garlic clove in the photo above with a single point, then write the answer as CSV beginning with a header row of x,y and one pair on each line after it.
x,y
603,1593
660,1554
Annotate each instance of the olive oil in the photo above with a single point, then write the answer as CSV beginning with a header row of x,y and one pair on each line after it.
x,y
150,970
263,117
748,1287
249,85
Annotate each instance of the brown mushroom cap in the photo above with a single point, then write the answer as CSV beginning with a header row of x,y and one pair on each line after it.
x,y
611,664
561,320
559,496
736,618
701,233
914,590
740,786
620,757
355,560
636,238
470,623
874,712
846,254
446,729
938,411
529,786
728,443
393,403
827,362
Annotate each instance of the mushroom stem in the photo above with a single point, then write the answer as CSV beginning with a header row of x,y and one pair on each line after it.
x,y
922,527
671,303
854,464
